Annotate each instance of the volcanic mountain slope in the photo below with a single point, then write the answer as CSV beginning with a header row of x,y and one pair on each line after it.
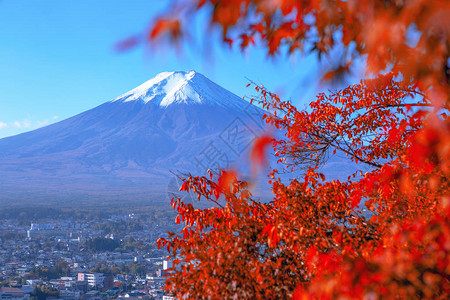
x,y
125,149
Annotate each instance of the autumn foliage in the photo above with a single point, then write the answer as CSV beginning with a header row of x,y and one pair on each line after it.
x,y
381,233
407,37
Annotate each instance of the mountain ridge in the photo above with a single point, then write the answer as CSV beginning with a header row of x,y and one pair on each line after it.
x,y
127,147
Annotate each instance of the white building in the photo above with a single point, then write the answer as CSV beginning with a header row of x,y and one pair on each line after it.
x,y
167,264
93,279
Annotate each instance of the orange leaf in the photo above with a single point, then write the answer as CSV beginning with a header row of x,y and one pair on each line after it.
x,y
258,153
225,181
166,25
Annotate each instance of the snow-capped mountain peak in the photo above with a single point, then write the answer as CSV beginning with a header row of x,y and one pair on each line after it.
x,y
181,87
126,148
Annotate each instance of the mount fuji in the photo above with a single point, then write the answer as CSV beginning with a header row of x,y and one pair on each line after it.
x,y
126,148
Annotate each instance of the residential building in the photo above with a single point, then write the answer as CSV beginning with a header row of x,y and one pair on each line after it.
x,y
93,279
9,293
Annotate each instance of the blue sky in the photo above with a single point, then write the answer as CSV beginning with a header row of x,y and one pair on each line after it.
x,y
57,59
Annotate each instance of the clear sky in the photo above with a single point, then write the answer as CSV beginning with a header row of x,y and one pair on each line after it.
x,y
57,59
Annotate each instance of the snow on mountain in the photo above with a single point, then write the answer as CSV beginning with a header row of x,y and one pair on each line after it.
x,y
169,88
126,148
